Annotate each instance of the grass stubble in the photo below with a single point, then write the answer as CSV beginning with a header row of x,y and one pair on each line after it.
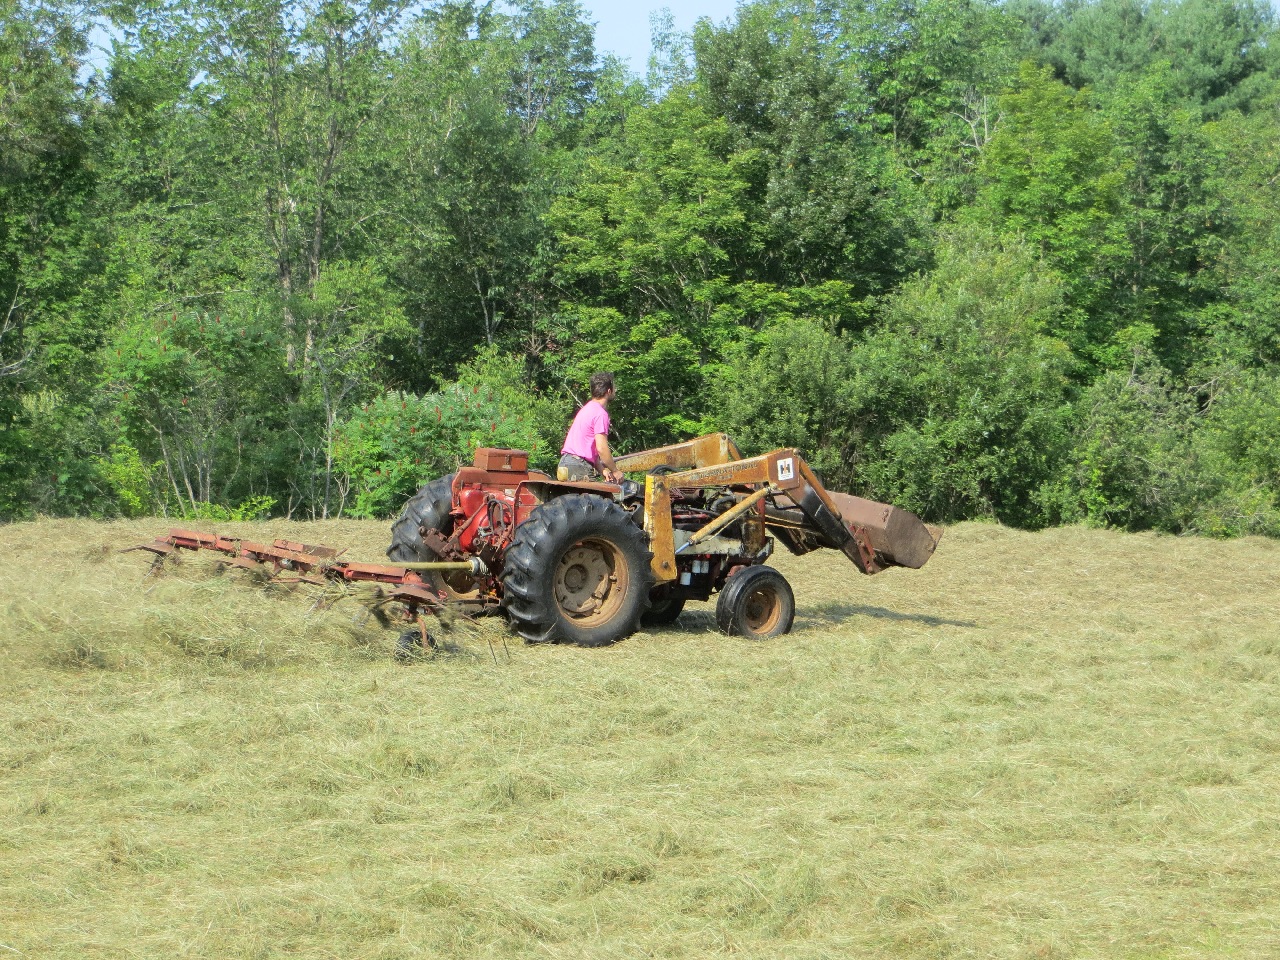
x,y
1047,745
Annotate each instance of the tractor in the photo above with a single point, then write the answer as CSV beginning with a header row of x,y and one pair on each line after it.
x,y
589,563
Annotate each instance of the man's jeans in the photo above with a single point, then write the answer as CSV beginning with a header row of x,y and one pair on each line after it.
x,y
574,468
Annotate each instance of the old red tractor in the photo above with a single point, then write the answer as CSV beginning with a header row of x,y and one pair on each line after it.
x,y
588,563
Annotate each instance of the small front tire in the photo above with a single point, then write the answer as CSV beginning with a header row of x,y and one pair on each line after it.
x,y
756,603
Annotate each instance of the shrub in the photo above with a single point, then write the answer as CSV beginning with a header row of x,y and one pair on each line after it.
x,y
959,394
393,444
129,480
788,386
1145,456
1130,463
954,405
1238,447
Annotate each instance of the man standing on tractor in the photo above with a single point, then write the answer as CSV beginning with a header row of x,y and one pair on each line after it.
x,y
586,449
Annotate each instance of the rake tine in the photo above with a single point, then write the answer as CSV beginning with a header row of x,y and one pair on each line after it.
x,y
491,651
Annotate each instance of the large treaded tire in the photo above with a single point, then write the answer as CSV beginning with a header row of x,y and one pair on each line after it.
x,y
429,507
577,571
757,603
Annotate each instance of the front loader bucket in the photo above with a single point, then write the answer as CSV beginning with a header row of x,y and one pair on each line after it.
x,y
898,536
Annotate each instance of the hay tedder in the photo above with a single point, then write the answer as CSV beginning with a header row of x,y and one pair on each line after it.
x,y
587,562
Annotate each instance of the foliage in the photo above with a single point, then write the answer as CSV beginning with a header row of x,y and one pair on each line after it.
x,y
255,508
828,198
960,393
1131,462
1239,447
789,386
397,442
930,72
1175,217
653,235
953,405
1052,174
188,391
1015,260
131,481
44,173
1145,456
1242,329
1219,49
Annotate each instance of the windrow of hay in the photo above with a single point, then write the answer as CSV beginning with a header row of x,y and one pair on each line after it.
x,y
1040,745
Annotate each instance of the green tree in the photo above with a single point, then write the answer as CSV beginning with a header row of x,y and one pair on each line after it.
x,y
1238,445
241,133
189,392
1146,455
953,404
1130,462
486,111
1242,329
789,386
293,89
932,72
649,241
1053,174
392,445
1175,218
554,70
1222,52
960,394
828,199
44,180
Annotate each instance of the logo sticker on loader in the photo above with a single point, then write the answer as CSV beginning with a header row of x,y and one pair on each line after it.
x,y
786,469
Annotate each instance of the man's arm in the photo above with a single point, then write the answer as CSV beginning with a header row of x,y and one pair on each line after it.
x,y
607,466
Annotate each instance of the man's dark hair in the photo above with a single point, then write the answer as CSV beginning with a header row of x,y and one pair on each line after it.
x,y
601,384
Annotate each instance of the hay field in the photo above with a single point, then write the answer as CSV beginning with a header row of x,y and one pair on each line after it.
x,y
1046,745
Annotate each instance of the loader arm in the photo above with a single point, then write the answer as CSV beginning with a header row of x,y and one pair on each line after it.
x,y
780,472
707,451
872,535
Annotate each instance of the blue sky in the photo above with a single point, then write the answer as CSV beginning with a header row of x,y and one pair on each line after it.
x,y
622,27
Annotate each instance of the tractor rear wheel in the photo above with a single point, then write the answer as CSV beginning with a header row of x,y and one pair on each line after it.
x,y
757,603
429,508
577,571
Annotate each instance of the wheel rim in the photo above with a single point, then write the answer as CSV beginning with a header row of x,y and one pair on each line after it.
x,y
591,582
761,610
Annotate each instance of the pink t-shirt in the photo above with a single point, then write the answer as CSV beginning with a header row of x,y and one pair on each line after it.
x,y
581,441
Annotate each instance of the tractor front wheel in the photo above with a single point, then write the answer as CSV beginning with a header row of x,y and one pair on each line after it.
x,y
757,603
577,571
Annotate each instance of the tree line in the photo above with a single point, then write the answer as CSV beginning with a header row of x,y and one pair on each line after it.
x,y
1013,260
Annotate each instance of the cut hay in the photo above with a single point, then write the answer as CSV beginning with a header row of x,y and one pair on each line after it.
x,y
1040,745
